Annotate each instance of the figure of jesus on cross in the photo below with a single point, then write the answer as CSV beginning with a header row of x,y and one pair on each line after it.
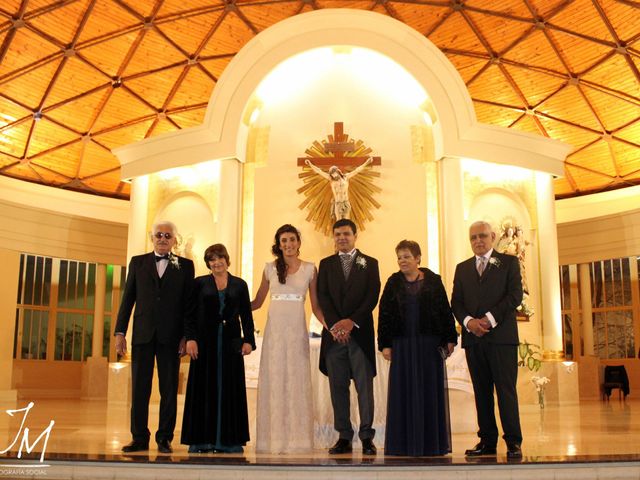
x,y
339,153
339,186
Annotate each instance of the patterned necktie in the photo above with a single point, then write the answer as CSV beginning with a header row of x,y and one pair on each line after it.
x,y
481,265
345,260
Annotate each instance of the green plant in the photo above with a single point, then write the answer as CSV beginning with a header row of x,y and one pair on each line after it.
x,y
530,356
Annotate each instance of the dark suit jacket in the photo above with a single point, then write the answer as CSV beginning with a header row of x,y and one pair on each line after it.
x,y
161,305
354,298
498,291
434,318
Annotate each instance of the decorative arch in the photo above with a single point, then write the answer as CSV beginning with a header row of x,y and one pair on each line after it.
x,y
456,131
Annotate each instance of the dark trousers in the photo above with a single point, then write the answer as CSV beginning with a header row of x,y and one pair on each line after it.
x,y
495,366
344,362
142,364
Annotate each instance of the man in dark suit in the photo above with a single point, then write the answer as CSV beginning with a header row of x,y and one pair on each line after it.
x,y
160,285
487,288
348,289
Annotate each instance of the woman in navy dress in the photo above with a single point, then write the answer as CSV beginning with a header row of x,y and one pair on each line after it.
x,y
215,410
416,332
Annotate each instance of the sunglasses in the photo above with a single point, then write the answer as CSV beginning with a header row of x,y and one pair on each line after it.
x,y
166,235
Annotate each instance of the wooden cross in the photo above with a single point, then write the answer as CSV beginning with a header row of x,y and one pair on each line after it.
x,y
338,145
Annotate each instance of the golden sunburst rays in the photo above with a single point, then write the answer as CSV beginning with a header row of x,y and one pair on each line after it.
x,y
318,201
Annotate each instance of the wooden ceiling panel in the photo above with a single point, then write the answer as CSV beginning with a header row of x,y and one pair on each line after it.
x,y
500,32
123,136
588,181
106,19
109,182
562,187
600,161
526,123
79,114
456,34
190,32
613,111
582,16
495,115
109,55
11,6
76,77
47,135
570,99
534,85
154,52
96,160
61,22
493,86
189,118
63,161
156,88
536,51
626,158
232,34
567,133
579,54
216,67
630,133
627,84
6,160
121,107
516,8
25,49
31,173
196,88
422,18
467,66
545,8
14,139
143,8
37,80
624,18
164,126
180,8
10,112
359,4
263,16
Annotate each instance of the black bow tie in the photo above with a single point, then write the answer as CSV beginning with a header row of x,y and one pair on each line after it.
x,y
162,257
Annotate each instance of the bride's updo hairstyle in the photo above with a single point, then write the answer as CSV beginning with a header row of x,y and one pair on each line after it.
x,y
281,266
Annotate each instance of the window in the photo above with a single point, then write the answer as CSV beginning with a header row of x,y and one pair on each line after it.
x,y
55,308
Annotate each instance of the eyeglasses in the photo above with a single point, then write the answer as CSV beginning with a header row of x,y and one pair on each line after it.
x,y
166,235
481,236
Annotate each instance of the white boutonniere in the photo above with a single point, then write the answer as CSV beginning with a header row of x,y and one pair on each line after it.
x,y
173,260
361,262
495,262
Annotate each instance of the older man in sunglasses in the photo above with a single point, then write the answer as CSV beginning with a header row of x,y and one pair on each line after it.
x,y
159,283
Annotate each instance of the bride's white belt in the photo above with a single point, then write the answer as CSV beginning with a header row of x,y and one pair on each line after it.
x,y
287,297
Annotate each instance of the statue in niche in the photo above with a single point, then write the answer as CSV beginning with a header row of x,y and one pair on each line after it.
x,y
512,242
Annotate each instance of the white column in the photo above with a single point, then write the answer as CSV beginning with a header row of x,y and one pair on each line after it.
x,y
139,204
454,240
585,305
98,310
549,281
229,214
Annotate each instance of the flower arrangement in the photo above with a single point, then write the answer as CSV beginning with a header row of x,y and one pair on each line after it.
x,y
173,260
530,356
540,383
361,262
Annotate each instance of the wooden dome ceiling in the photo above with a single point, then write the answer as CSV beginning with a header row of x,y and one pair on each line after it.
x,y
80,77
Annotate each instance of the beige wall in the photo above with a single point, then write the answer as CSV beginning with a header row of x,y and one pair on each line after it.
x,y
10,262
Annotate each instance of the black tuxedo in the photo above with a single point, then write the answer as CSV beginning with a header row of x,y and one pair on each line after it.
x,y
354,298
492,358
161,307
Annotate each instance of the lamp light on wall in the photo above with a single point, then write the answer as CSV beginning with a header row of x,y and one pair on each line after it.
x,y
252,111
569,366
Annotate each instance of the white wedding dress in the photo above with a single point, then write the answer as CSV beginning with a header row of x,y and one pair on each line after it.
x,y
285,406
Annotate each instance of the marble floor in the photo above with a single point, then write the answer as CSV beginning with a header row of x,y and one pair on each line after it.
x,y
591,431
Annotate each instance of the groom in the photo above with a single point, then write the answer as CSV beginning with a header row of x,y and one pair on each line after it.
x,y
348,289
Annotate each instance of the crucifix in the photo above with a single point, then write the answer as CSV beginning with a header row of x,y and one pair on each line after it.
x,y
338,153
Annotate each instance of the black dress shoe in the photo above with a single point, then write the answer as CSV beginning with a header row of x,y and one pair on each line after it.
x,y
368,448
342,446
514,450
164,446
480,449
136,446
